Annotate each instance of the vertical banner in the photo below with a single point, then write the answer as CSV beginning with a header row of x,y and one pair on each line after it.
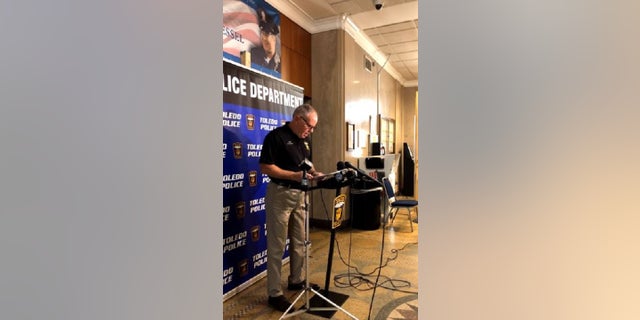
x,y
253,105
252,27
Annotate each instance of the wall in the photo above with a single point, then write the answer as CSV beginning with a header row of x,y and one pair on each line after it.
x,y
408,117
329,140
408,120
295,44
367,94
346,92
361,101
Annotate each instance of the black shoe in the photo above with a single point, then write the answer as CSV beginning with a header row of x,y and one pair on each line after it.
x,y
301,285
279,303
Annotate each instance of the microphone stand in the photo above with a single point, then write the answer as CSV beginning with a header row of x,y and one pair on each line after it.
x,y
307,243
330,262
337,297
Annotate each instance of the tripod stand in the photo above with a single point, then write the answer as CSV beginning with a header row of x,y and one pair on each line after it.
x,y
305,292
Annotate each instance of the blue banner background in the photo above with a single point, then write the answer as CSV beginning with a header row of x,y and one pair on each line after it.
x,y
247,118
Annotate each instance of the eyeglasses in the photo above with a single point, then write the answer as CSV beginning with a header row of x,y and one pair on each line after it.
x,y
307,123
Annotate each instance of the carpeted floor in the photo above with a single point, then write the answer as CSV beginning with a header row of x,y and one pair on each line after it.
x,y
401,308
372,292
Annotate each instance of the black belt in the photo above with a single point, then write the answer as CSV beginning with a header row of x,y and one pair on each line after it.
x,y
291,185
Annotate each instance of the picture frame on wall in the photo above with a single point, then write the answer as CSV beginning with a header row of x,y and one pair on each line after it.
x,y
387,131
351,136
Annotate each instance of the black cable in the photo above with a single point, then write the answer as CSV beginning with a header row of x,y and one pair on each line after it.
x,y
361,278
379,271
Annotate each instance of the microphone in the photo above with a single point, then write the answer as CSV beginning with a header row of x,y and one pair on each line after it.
x,y
338,178
348,164
361,172
342,173
349,173
305,165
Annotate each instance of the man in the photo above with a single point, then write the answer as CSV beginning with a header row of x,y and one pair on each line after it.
x,y
283,151
266,55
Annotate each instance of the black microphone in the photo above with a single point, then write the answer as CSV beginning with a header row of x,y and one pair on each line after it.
x,y
342,173
349,174
348,164
305,165
361,172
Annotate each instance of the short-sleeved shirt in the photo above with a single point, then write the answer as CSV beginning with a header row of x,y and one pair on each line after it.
x,y
285,149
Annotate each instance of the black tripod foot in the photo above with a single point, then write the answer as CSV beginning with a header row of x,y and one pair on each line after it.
x,y
318,302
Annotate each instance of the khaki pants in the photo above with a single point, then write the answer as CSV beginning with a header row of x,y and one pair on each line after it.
x,y
285,217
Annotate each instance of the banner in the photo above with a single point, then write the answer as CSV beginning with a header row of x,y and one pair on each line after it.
x,y
253,27
253,105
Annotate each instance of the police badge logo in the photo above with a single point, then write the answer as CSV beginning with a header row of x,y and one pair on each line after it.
x,y
253,178
251,121
237,150
243,267
240,210
255,233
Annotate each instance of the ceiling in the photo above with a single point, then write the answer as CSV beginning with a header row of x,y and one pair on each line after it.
x,y
388,35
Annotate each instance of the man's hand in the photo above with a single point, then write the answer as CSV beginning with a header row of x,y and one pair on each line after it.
x,y
309,176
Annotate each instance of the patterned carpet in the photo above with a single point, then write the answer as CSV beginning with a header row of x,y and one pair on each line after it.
x,y
400,309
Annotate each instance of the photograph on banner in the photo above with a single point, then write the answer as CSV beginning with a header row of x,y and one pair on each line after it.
x,y
251,35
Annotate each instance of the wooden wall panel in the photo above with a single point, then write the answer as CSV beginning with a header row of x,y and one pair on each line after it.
x,y
295,45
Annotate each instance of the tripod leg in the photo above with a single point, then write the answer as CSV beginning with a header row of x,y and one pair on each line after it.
x,y
335,306
286,314
308,288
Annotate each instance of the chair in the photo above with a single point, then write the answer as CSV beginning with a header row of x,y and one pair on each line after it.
x,y
396,205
